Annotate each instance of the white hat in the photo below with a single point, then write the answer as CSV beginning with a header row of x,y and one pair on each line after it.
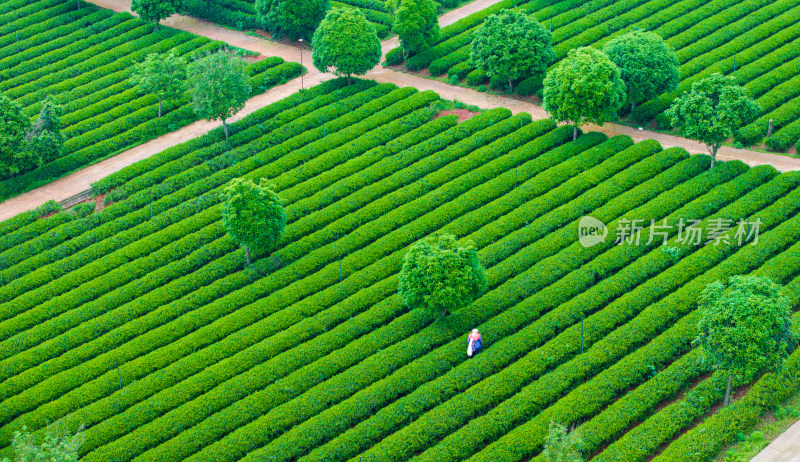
x,y
474,330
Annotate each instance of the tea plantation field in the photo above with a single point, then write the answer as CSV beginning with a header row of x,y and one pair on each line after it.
x,y
142,322
82,56
242,14
756,41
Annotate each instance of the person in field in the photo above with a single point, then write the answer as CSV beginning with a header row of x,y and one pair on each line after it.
x,y
474,343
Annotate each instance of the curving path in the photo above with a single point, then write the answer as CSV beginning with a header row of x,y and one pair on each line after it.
x,y
80,181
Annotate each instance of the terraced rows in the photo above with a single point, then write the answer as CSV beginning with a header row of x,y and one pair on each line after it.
x,y
241,14
81,55
142,322
748,39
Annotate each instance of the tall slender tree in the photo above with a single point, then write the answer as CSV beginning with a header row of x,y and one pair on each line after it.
x,y
162,74
12,136
218,83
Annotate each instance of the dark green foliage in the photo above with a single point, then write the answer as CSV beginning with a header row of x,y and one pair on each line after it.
x,y
416,23
585,87
647,65
346,43
253,214
12,137
292,18
440,276
712,111
219,86
511,45
156,10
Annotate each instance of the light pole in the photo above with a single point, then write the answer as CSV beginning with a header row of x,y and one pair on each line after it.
x,y
301,63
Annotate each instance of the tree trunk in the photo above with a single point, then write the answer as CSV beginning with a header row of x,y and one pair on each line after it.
x,y
574,132
159,108
714,150
247,254
225,128
348,79
510,85
444,312
728,391
156,24
633,105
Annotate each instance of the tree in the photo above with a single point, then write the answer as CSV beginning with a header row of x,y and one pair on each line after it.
x,y
293,18
219,87
712,111
745,327
647,65
58,445
346,42
44,139
584,87
253,215
12,136
511,45
416,23
439,276
561,445
162,74
156,10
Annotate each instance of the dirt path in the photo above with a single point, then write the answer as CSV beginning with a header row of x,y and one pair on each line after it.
x,y
81,180
785,448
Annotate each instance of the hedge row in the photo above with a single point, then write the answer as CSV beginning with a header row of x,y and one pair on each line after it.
x,y
31,231
55,33
412,349
173,199
709,437
345,384
289,268
525,439
389,115
141,305
645,439
548,326
709,41
507,351
26,218
785,115
271,326
84,268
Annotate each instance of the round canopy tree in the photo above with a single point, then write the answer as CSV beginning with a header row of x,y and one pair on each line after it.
x,y
511,45
156,10
647,65
253,214
441,277
293,18
712,111
745,327
585,87
346,42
